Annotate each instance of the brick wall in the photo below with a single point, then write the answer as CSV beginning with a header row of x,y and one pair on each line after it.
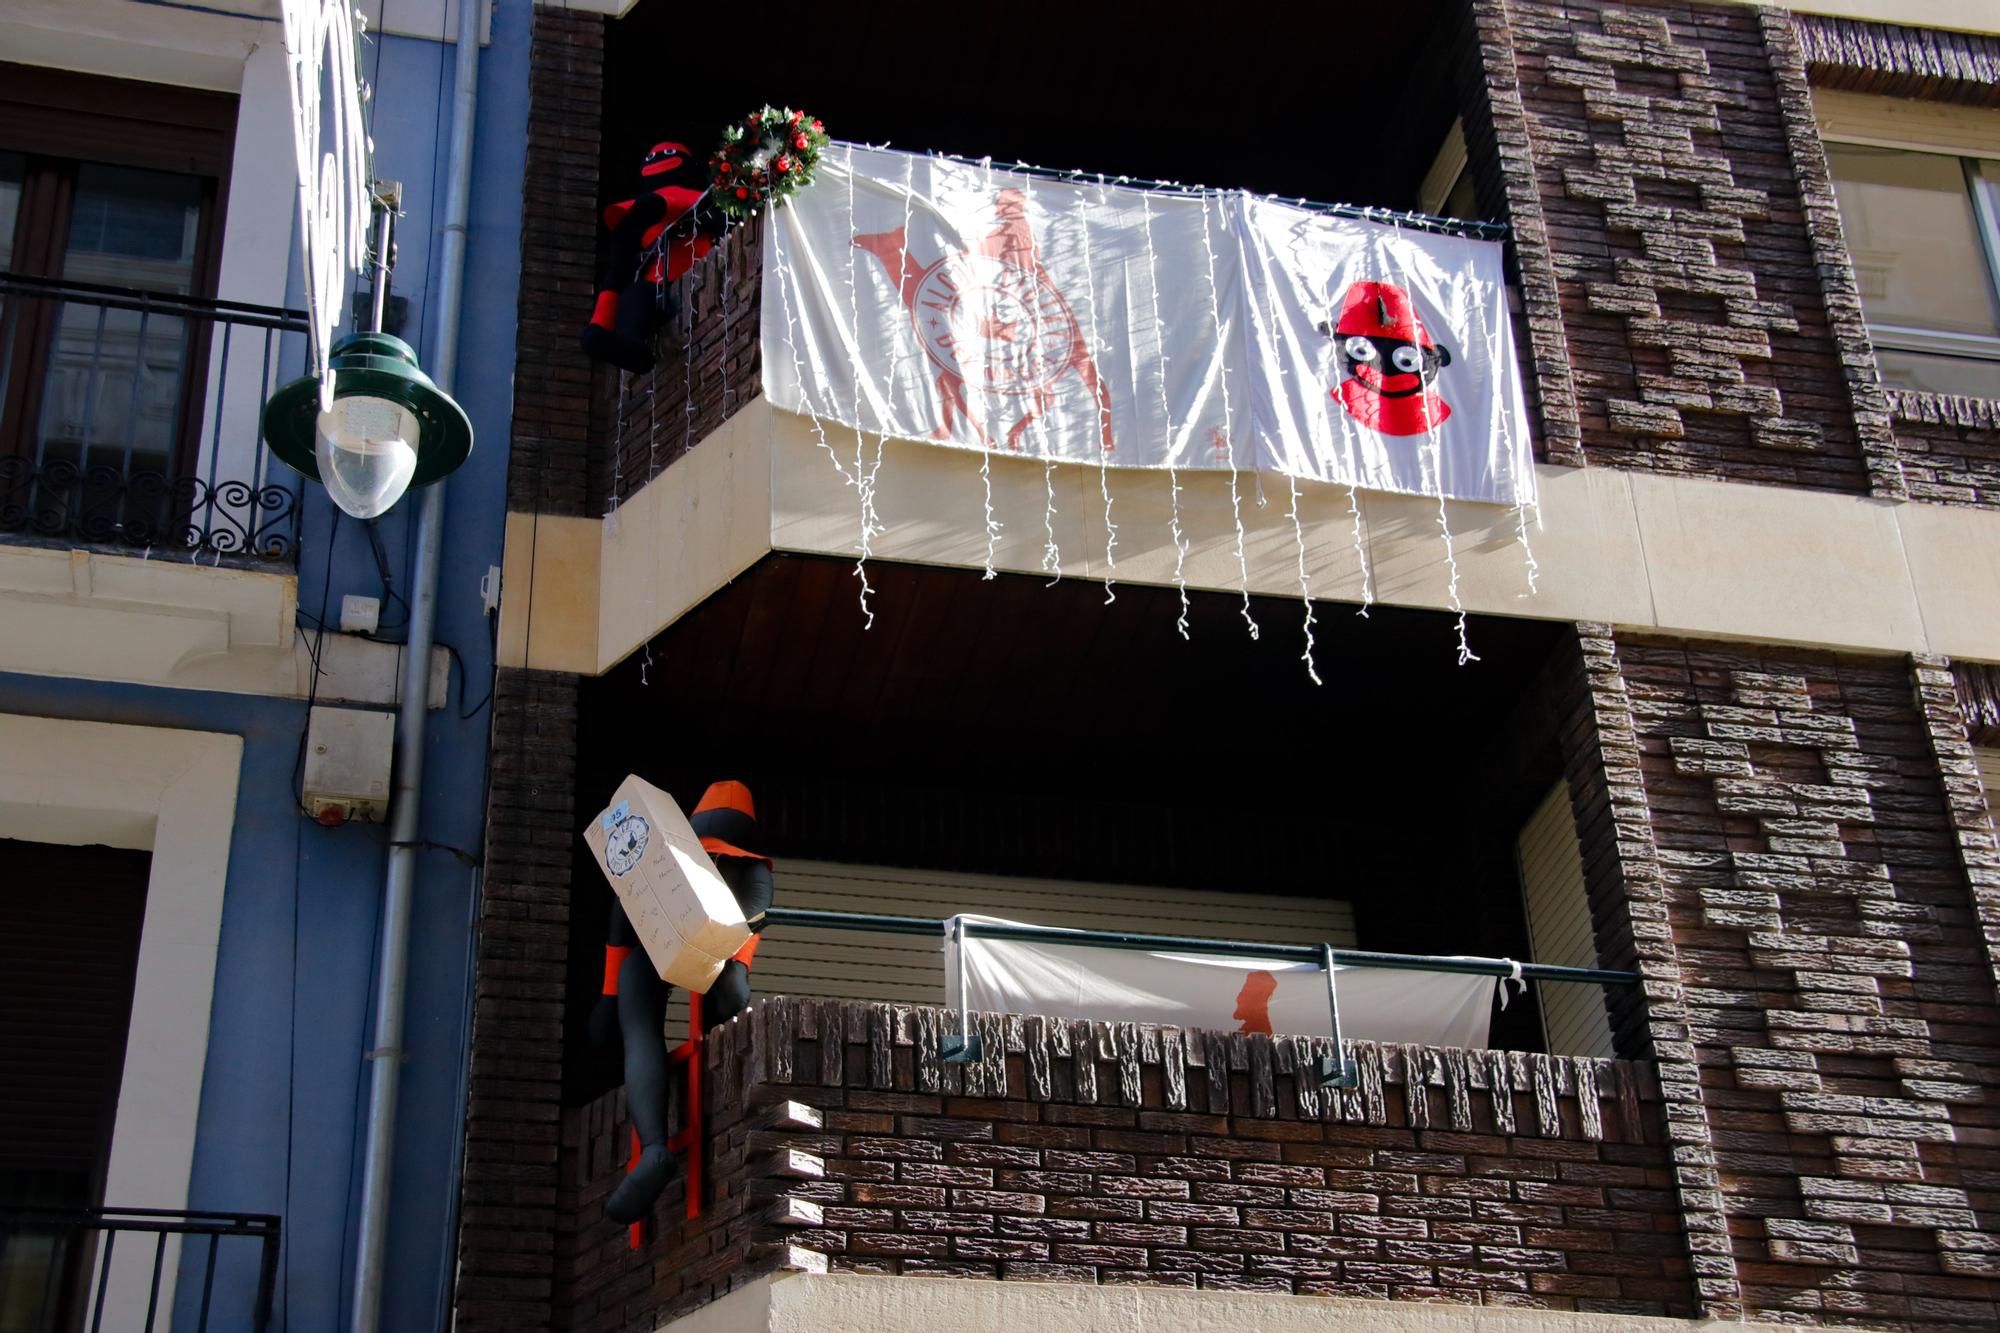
x,y
507,1220
1950,447
514,1090
1094,1152
552,393
1501,157
710,365
1687,262
1794,837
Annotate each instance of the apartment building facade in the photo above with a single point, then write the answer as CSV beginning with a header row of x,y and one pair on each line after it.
x,y
192,957
1731,743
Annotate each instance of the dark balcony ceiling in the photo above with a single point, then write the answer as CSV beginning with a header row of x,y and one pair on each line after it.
x,y
1009,727
1336,102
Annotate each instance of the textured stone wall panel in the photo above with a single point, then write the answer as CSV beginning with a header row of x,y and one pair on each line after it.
x,y
1824,878
1692,296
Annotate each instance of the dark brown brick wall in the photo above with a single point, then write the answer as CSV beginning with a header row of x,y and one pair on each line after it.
x,y
1950,447
508,1218
704,376
1501,158
552,388
1691,294
1807,820
1093,1152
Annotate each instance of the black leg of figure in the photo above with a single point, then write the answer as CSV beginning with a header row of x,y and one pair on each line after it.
x,y
642,1016
728,997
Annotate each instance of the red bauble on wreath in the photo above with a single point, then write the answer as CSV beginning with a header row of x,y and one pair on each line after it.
x,y
765,160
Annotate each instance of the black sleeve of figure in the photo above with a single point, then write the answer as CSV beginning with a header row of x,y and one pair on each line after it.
x,y
754,897
618,932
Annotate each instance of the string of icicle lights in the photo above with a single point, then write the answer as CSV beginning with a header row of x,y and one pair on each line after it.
x,y
1041,430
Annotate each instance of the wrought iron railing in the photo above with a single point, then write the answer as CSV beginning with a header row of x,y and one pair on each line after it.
x,y
62,1269
131,419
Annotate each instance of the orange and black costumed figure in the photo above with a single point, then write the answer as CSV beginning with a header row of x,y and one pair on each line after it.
x,y
656,236
634,1003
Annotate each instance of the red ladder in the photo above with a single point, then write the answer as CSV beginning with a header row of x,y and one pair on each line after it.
x,y
687,1141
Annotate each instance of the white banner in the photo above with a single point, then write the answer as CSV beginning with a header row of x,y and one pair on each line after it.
x,y
933,299
1222,994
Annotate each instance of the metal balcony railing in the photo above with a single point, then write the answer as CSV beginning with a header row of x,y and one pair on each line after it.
x,y
131,419
62,1269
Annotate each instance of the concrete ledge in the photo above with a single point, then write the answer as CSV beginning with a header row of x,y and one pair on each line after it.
x,y
1671,555
93,615
844,1302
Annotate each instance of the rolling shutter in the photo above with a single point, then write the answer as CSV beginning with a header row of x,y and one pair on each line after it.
x,y
1559,930
910,969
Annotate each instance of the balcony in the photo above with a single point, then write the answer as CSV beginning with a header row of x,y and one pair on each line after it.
x,y
1105,1153
64,1269
131,422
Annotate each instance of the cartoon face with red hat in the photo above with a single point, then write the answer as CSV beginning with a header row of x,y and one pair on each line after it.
x,y
1389,362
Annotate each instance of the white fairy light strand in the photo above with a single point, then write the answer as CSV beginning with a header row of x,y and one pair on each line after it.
x,y
1167,420
1298,528
1431,463
687,361
862,480
865,474
1360,553
1305,582
1436,452
1528,551
1103,453
1228,422
786,285
618,447
1051,552
993,525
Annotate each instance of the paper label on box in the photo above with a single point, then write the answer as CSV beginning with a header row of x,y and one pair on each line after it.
x,y
626,846
616,813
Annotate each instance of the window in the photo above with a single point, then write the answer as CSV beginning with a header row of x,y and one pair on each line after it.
x,y
1448,190
114,184
1919,190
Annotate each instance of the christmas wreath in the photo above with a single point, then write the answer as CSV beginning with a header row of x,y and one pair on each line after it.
x,y
765,160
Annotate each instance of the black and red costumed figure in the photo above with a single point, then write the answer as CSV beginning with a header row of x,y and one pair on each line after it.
x,y
655,238
634,1004
1388,360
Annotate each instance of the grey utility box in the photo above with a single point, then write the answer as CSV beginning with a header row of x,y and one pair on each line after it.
x,y
348,751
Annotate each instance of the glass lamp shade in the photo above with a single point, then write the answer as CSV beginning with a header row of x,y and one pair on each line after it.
x,y
389,429
366,448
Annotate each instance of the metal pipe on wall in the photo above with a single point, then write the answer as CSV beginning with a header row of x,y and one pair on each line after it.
x,y
411,717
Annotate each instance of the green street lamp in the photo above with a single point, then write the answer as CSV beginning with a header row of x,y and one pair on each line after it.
x,y
389,428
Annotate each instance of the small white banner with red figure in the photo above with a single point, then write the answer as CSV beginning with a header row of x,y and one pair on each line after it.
x,y
1406,339
929,298
1215,992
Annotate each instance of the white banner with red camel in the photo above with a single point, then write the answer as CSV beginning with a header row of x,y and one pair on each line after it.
x,y
1223,993
1081,321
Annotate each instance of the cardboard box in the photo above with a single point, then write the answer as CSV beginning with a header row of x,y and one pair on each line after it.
x,y
685,916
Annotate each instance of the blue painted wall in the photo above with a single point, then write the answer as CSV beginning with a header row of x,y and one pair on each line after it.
x,y
285,1086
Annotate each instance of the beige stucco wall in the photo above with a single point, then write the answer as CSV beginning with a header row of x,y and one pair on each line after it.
x,y
854,1303
1680,556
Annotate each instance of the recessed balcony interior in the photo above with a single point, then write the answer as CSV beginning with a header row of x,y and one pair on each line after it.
x,y
1018,729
